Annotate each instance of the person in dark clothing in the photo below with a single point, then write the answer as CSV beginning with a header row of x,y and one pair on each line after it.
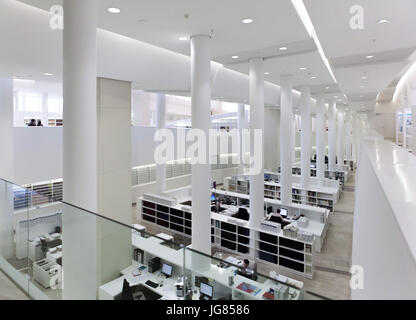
x,y
32,123
40,123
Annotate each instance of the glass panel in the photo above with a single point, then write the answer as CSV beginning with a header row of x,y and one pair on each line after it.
x,y
13,233
231,279
54,250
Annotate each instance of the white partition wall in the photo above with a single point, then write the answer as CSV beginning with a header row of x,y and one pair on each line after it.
x,y
384,241
114,177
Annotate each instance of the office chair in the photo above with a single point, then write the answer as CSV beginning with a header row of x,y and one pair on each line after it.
x,y
44,245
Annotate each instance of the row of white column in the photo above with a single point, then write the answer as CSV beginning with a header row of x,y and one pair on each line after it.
x,y
85,179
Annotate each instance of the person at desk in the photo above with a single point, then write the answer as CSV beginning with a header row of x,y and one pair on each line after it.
x,y
276,217
246,271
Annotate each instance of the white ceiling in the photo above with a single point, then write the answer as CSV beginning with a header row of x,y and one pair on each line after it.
x,y
276,24
162,22
391,44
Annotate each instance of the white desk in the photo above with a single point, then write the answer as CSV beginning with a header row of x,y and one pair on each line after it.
x,y
112,289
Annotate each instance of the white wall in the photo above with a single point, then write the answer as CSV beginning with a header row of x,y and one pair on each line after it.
x,y
379,244
38,154
384,119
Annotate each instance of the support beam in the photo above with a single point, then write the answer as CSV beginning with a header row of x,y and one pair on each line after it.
x,y
242,124
256,82
340,137
306,132
80,149
6,168
161,124
320,140
332,136
286,132
201,119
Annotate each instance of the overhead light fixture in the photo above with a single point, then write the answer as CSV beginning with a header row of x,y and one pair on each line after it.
x,y
369,57
247,20
362,87
283,48
313,77
114,10
235,57
336,97
302,68
47,74
326,88
267,73
364,78
381,21
183,38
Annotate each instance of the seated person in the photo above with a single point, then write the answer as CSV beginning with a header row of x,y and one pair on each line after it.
x,y
276,217
246,271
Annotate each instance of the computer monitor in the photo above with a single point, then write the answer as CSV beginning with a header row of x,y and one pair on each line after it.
x,y
206,289
283,212
213,197
167,270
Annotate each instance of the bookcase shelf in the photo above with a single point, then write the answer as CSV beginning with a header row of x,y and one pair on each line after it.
x,y
236,237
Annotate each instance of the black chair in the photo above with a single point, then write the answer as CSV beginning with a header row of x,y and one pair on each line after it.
x,y
44,245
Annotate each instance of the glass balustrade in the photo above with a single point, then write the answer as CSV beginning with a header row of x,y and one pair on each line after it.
x,y
54,250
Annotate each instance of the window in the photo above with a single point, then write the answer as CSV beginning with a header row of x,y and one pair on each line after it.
x,y
29,102
55,105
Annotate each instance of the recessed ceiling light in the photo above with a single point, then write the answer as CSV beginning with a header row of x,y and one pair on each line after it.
x,y
313,77
267,73
364,78
335,97
302,68
326,88
113,10
362,87
283,48
381,21
235,57
247,20
47,74
369,57
183,38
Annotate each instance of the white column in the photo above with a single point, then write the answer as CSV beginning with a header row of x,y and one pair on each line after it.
x,y
80,148
340,137
332,135
404,131
286,132
348,137
6,167
256,83
242,124
411,104
306,132
45,109
201,119
161,124
320,139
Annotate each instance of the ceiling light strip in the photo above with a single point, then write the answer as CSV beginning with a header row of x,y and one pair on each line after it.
x,y
307,22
